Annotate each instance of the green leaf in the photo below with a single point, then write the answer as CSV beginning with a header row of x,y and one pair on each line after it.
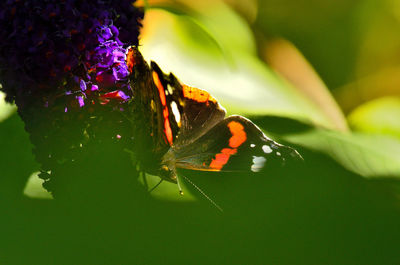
x,y
364,154
6,109
380,116
215,51
34,188
167,190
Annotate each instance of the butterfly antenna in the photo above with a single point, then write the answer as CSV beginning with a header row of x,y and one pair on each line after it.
x,y
179,186
205,195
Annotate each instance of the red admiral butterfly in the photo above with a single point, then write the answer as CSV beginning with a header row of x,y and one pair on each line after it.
x,y
185,127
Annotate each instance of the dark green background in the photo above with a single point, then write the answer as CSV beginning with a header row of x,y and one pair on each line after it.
x,y
315,212
312,213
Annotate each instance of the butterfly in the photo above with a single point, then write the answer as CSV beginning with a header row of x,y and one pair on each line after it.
x,y
178,126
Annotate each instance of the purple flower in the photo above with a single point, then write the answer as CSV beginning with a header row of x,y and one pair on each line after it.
x,y
119,55
104,34
120,72
114,31
104,56
94,88
82,85
49,44
81,101
122,95
63,64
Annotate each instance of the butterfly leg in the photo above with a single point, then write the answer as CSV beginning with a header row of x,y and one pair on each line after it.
x,y
161,180
145,183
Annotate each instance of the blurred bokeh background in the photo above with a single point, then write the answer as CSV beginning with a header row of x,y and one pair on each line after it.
x,y
323,76
350,48
328,64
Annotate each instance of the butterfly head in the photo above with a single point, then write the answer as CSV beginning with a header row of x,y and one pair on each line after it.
x,y
167,173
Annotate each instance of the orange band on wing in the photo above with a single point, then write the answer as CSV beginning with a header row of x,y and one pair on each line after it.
x,y
161,92
160,88
168,131
238,138
197,95
219,161
238,134
229,151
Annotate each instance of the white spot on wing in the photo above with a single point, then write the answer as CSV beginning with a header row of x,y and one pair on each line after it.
x,y
175,111
258,163
170,90
266,149
252,145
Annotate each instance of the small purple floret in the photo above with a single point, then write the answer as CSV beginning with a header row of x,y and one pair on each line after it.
x,y
119,55
81,101
94,88
82,84
120,72
123,96
105,33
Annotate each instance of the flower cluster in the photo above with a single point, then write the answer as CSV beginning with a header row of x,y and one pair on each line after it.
x,y
105,71
63,63
53,47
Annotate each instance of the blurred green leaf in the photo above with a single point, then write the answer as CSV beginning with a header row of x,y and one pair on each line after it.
x,y
6,109
214,22
282,56
216,52
327,32
380,116
366,155
34,188
167,190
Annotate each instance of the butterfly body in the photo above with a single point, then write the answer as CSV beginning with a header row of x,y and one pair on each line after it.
x,y
178,126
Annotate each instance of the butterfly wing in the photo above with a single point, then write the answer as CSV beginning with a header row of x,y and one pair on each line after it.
x,y
188,112
234,144
147,108
185,127
166,113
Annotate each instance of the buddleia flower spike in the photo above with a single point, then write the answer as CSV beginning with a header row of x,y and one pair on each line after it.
x,y
63,64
